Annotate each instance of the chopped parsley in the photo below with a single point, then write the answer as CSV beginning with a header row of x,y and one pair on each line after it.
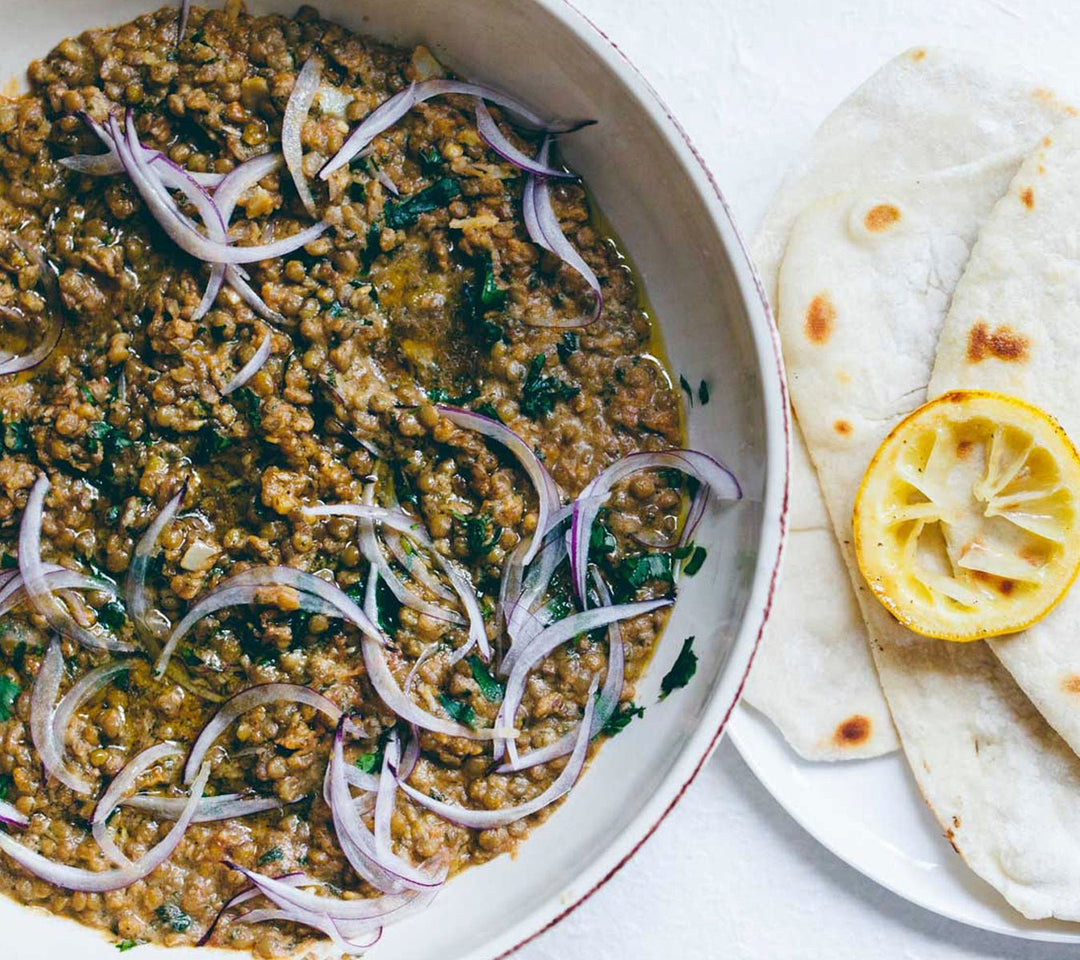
x,y
9,693
273,855
703,393
687,389
87,395
638,570
17,436
249,401
211,442
124,945
171,916
440,395
570,343
6,783
404,213
540,394
697,558
461,712
481,533
369,762
682,670
489,686
8,562
618,721
430,159
335,309
488,410
112,615
601,540
491,295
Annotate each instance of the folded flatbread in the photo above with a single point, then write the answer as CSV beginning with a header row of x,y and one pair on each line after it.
x,y
866,281
925,110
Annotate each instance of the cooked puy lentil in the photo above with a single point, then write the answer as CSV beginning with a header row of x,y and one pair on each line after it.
x,y
404,302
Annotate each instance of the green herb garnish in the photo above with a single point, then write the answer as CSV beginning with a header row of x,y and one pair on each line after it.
x,y
125,945
369,762
170,915
601,540
570,343
9,692
488,410
687,389
112,615
703,392
481,533
693,565
540,394
405,213
491,296
461,712
252,406
430,159
681,671
17,436
335,309
489,686
639,570
7,781
8,562
618,721
273,855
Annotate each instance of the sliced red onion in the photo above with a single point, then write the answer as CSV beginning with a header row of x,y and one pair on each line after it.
x,y
224,806
491,135
92,881
332,929
549,640
411,527
87,686
381,868
382,679
56,579
491,819
145,550
292,125
545,231
415,565
547,491
252,367
122,784
384,178
182,19
247,588
11,816
411,876
54,313
606,702
391,111
362,781
708,471
108,164
249,699
369,547
184,234
356,915
36,584
296,879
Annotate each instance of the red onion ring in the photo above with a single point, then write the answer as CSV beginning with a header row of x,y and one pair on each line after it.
x,y
491,819
11,816
292,124
42,729
56,579
382,679
252,367
491,135
224,806
549,640
545,231
249,699
409,875
296,879
36,584
606,703
92,682
183,233
391,111
122,784
54,313
547,491
182,19
708,471
411,527
145,550
332,929
91,881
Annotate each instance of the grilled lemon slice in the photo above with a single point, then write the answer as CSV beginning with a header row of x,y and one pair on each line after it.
x,y
967,522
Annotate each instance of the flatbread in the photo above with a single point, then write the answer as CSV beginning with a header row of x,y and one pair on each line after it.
x,y
812,676
1014,327
864,288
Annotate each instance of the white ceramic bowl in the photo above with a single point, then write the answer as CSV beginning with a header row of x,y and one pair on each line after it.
x,y
669,213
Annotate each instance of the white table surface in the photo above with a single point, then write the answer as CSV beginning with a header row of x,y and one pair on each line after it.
x,y
730,875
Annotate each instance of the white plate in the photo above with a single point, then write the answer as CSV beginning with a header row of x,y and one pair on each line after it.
x,y
871,815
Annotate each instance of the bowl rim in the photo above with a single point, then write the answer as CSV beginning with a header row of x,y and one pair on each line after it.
x,y
775,514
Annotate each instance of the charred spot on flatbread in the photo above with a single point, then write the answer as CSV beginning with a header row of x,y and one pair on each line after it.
x,y
843,427
1001,343
853,731
1027,197
820,317
879,218
1071,683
